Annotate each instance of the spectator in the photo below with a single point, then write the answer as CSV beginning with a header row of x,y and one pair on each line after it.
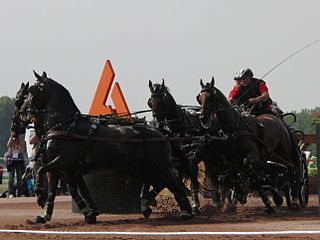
x,y
17,145
1,173
34,142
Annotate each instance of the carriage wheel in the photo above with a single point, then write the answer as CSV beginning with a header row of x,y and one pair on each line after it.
x,y
303,182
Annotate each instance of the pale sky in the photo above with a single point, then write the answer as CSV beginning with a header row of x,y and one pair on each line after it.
x,y
179,40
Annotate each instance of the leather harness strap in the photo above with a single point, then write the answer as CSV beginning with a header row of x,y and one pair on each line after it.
x,y
56,134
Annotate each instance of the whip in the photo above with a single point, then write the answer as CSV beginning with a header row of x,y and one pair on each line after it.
x,y
293,54
283,61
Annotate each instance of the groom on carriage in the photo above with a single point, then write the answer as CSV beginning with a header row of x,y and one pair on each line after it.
x,y
251,92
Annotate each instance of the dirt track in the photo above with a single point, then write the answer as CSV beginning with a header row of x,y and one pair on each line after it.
x,y
18,213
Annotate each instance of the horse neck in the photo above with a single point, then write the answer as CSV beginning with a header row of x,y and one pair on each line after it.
x,y
174,114
227,116
59,107
39,127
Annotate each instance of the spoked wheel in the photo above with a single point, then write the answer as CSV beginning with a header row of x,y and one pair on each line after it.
x,y
303,182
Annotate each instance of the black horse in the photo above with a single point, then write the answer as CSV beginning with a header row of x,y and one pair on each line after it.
x,y
45,186
179,122
75,145
258,140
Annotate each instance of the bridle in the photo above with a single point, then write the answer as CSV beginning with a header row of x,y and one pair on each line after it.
x,y
161,97
215,105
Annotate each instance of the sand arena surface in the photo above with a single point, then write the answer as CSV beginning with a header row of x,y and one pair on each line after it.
x,y
18,213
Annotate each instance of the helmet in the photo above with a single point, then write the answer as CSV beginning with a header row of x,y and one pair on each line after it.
x,y
245,72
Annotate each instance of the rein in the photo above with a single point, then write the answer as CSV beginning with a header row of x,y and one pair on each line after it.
x,y
55,134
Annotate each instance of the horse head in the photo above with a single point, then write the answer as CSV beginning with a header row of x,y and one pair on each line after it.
x,y
30,100
46,100
157,102
17,126
208,100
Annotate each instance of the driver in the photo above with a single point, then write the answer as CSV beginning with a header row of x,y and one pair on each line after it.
x,y
251,92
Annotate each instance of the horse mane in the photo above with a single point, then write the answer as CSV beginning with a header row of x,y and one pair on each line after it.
x,y
223,98
158,86
166,91
169,95
59,87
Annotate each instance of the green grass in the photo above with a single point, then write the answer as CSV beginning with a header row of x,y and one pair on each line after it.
x,y
3,188
312,172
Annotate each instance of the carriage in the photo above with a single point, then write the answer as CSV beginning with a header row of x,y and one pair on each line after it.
x,y
72,140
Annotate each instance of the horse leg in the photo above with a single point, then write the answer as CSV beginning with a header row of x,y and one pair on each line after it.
x,y
184,168
254,164
41,189
89,216
263,194
54,164
49,204
195,202
215,193
294,189
145,191
40,184
93,210
148,198
241,191
276,196
178,190
230,195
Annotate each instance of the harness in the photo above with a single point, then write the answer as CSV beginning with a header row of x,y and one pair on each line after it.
x,y
233,131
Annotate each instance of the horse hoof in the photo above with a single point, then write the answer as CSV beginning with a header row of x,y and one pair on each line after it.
x,y
40,219
269,210
278,201
231,208
147,212
90,219
194,210
186,215
295,206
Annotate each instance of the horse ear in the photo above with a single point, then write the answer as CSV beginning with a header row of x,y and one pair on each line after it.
x,y
201,83
212,82
44,75
162,84
151,86
37,75
24,87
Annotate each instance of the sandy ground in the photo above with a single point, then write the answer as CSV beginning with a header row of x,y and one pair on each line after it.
x,y
18,214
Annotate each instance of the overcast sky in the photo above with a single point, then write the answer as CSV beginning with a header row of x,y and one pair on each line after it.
x,y
179,40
